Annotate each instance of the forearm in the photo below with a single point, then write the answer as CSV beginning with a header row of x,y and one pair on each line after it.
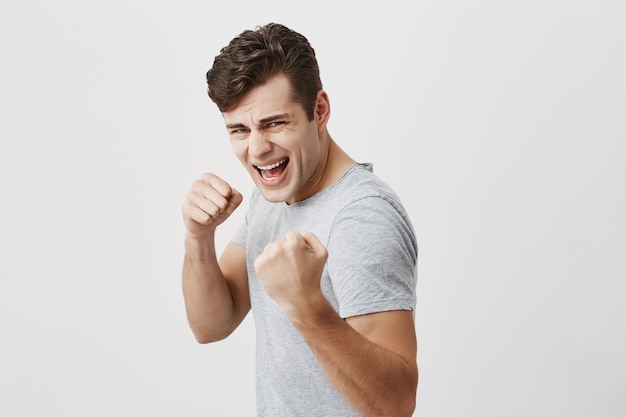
x,y
373,380
208,301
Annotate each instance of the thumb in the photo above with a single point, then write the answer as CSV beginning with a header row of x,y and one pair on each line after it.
x,y
234,201
315,244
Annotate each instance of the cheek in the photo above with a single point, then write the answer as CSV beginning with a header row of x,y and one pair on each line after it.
x,y
312,152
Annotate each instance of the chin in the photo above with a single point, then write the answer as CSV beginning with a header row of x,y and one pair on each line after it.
x,y
274,196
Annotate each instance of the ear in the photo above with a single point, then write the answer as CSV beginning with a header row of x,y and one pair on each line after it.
x,y
322,109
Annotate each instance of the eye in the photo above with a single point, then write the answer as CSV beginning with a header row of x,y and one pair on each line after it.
x,y
239,131
275,124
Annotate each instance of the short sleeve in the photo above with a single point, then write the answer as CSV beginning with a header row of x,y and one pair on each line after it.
x,y
372,260
241,233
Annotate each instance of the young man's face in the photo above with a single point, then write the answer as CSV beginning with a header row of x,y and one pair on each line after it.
x,y
274,140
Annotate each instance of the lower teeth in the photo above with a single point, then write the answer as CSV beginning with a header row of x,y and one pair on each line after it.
x,y
267,178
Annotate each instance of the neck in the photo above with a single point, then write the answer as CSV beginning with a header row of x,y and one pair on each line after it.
x,y
337,163
338,159
334,164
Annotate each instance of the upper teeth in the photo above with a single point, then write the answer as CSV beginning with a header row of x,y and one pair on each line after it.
x,y
272,166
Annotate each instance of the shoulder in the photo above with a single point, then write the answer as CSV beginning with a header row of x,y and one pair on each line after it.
x,y
364,192
372,214
359,181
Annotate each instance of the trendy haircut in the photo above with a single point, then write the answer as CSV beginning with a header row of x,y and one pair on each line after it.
x,y
255,56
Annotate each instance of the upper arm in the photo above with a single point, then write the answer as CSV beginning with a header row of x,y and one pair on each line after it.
x,y
391,330
374,277
375,272
234,269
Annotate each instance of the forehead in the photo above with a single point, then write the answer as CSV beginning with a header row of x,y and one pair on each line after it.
x,y
274,96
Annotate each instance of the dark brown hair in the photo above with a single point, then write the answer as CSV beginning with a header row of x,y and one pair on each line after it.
x,y
255,56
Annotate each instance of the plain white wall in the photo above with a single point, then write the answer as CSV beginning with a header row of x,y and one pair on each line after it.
x,y
499,123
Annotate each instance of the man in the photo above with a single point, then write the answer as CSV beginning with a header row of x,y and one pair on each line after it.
x,y
326,257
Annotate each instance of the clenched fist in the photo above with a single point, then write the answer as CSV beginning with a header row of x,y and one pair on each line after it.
x,y
210,201
290,269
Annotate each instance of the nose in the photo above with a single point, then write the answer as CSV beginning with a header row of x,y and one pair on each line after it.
x,y
258,145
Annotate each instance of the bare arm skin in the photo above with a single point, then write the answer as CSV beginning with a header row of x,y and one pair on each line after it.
x,y
215,292
370,359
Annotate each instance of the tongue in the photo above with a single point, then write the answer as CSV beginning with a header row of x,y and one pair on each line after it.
x,y
274,172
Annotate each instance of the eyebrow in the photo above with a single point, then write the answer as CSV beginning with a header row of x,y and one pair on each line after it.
x,y
274,118
263,121
235,126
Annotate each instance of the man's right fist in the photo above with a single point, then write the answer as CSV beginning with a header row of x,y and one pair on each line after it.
x,y
210,201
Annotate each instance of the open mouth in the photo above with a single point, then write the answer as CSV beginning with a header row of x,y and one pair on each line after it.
x,y
272,172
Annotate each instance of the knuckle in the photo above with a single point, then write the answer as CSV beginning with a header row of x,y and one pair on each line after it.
x,y
197,185
201,217
213,211
221,204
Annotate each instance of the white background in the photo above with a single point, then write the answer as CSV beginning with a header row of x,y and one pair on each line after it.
x,y
500,124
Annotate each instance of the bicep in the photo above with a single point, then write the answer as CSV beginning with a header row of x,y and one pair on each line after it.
x,y
234,269
391,330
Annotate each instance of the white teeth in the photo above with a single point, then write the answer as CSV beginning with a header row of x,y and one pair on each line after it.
x,y
272,166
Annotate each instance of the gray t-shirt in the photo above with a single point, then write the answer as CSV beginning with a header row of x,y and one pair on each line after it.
x,y
371,267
